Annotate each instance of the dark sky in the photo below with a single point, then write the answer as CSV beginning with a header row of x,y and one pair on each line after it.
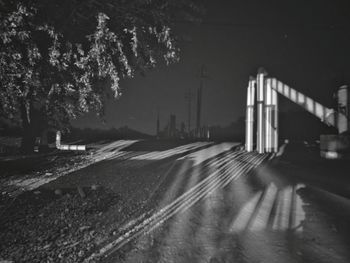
x,y
305,44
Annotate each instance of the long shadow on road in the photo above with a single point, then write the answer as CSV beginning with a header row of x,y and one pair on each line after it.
x,y
267,214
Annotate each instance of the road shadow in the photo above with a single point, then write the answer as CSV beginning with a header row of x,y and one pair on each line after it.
x,y
270,214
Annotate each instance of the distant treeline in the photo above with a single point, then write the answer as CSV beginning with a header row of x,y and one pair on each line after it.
x,y
90,135
301,125
293,125
233,132
78,134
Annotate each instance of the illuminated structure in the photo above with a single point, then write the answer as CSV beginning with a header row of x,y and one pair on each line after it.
x,y
250,115
67,147
267,112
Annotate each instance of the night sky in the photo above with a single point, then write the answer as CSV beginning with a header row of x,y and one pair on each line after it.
x,y
305,44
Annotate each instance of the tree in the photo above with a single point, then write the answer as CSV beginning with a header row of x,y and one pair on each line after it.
x,y
59,58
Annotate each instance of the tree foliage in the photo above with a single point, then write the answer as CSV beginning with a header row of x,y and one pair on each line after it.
x,y
58,58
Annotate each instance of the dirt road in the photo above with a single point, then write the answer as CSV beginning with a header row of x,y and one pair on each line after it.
x,y
183,202
232,206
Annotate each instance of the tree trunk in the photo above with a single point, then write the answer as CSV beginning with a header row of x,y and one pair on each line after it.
x,y
34,124
28,141
28,133
44,142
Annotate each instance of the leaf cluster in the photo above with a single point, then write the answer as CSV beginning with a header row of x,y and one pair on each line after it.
x,y
59,58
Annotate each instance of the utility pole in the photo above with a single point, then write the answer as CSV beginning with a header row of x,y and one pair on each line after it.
x,y
189,97
202,76
158,123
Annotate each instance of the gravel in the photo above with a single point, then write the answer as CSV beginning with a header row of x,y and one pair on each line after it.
x,y
45,227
